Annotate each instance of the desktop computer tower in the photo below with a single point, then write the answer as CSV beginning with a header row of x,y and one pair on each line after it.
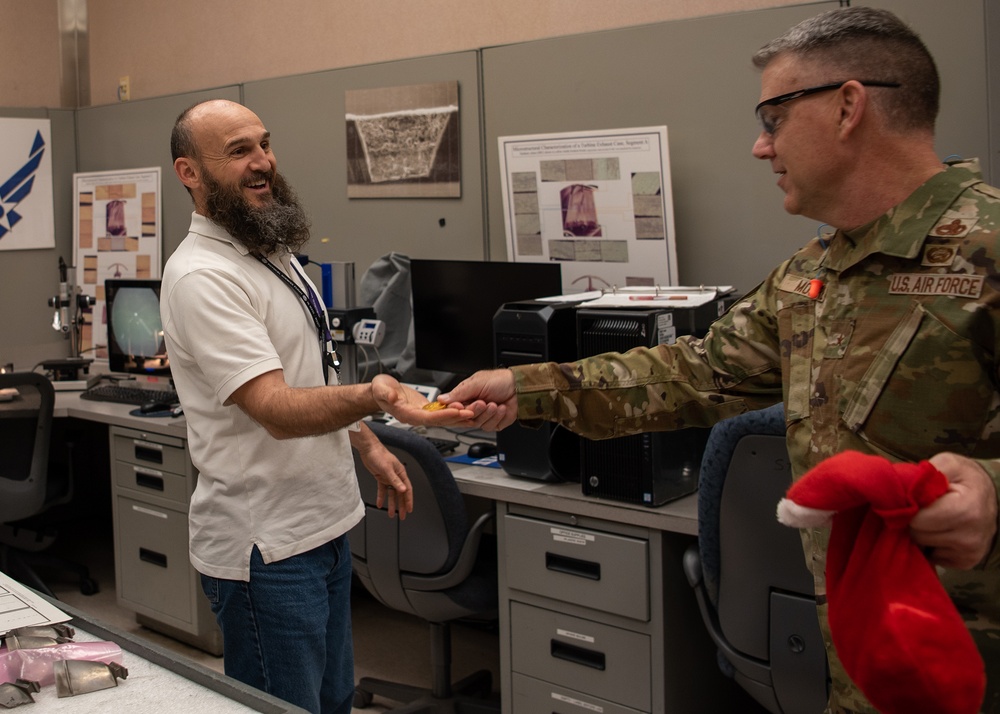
x,y
523,333
655,467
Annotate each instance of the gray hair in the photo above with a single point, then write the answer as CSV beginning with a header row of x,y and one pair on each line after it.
x,y
866,43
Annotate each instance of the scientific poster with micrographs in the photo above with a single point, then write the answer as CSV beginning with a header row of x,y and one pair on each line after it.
x,y
116,234
598,202
26,215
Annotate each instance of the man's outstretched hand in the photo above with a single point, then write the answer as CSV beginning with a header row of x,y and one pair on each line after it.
x,y
411,407
491,397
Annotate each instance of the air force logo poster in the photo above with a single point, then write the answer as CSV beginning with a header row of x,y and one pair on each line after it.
x,y
26,216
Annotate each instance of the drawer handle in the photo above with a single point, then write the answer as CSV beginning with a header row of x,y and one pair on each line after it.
x,y
151,556
573,566
148,452
577,655
149,481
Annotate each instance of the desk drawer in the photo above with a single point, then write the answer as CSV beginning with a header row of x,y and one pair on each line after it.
x,y
603,571
154,482
600,660
156,452
153,550
533,696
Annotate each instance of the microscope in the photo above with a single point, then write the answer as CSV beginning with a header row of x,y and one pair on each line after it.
x,y
68,319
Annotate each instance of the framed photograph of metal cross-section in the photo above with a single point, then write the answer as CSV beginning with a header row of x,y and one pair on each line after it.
x,y
403,142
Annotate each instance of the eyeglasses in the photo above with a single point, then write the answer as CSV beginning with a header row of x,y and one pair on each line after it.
x,y
767,122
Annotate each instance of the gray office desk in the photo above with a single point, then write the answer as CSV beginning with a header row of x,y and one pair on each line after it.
x,y
679,516
152,480
69,404
623,636
595,611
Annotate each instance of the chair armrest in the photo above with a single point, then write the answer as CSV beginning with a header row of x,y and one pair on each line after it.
x,y
692,566
747,666
463,566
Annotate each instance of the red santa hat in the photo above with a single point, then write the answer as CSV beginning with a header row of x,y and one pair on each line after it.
x,y
895,629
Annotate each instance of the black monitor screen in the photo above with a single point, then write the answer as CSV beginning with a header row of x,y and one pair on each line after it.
x,y
454,302
135,334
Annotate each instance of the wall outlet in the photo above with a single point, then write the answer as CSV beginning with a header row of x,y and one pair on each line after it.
x,y
124,89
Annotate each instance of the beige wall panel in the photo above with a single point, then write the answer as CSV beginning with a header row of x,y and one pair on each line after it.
x,y
182,45
29,53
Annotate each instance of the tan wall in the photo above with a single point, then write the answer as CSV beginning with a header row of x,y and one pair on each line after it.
x,y
29,53
171,46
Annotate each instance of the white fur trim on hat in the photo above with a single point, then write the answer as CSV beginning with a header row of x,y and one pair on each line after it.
x,y
796,516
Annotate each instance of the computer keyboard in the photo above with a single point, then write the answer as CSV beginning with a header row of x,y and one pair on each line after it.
x,y
442,445
121,394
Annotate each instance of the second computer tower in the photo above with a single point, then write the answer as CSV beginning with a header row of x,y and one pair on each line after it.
x,y
653,467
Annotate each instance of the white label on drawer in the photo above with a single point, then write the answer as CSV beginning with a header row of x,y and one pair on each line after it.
x,y
576,702
564,536
148,512
575,635
148,445
146,472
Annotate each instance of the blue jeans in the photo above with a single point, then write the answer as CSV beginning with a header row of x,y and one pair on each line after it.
x,y
288,630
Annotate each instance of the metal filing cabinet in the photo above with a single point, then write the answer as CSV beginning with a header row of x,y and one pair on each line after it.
x,y
152,486
591,614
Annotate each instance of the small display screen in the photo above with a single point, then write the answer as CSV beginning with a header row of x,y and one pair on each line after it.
x,y
135,333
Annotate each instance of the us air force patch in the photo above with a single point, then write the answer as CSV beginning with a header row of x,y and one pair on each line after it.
x,y
956,285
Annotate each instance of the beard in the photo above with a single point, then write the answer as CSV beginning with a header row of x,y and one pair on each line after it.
x,y
263,230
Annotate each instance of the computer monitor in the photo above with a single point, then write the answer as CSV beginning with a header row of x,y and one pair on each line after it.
x,y
135,333
454,302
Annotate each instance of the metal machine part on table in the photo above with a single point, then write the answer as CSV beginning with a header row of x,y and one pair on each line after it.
x,y
74,676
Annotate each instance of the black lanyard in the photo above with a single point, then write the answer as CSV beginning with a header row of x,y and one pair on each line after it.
x,y
328,347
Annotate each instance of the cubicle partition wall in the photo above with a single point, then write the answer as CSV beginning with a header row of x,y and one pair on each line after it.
x,y
306,117
135,135
694,76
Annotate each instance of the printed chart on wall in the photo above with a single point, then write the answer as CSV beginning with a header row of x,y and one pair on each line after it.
x,y
116,234
26,215
597,201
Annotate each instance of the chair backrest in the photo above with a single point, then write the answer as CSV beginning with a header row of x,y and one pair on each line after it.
x,y
430,539
754,568
25,433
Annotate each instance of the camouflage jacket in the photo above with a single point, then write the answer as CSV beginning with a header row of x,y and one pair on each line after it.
x,y
897,357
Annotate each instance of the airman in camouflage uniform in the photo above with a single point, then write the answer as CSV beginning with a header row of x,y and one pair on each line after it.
x,y
895,355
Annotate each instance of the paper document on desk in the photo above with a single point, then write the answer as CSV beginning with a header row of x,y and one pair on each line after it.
x,y
659,297
22,607
573,297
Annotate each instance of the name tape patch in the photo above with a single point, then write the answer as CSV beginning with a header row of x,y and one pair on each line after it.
x,y
795,284
967,286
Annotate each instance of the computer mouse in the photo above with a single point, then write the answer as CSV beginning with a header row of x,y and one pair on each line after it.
x,y
150,407
482,450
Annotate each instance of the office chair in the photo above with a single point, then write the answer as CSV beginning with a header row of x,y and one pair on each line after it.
x,y
27,489
749,574
433,565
